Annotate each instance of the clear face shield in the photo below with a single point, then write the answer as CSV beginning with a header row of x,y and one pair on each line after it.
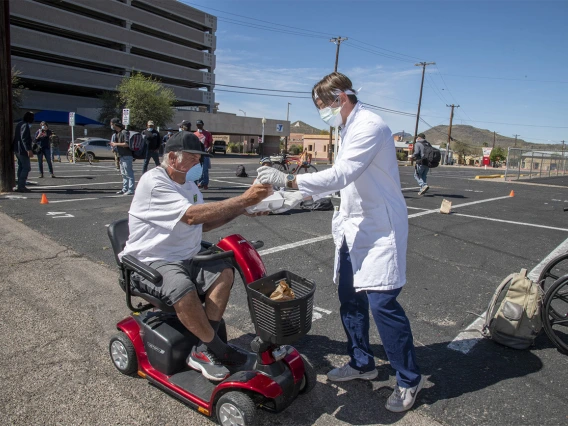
x,y
331,114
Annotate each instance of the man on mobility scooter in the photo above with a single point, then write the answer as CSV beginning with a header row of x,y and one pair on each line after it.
x,y
166,221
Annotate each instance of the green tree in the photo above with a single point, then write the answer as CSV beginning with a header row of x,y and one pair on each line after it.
x,y
147,99
498,154
324,132
17,91
111,107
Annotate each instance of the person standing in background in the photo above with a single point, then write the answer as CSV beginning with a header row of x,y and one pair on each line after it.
x,y
152,142
42,138
54,143
207,141
22,144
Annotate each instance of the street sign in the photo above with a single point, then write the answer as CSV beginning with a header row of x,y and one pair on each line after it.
x,y
280,128
71,118
126,116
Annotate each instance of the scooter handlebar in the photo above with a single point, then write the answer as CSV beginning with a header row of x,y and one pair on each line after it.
x,y
208,255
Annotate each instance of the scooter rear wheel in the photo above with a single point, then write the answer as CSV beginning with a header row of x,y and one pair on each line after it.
x,y
123,354
235,408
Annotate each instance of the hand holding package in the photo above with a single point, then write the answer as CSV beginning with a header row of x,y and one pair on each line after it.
x,y
271,176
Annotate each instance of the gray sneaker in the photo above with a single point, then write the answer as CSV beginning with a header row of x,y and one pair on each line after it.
x,y
423,189
402,399
208,364
346,373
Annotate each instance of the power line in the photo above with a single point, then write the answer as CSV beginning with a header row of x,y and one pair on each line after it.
x,y
506,78
414,58
263,94
268,90
378,53
392,111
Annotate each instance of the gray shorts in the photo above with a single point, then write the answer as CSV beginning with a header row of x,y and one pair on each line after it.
x,y
179,278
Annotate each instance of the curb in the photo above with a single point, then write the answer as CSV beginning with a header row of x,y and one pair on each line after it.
x,y
489,176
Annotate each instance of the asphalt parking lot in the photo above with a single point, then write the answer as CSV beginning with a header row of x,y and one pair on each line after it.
x,y
454,264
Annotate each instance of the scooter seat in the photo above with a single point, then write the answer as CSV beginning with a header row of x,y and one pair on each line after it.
x,y
154,301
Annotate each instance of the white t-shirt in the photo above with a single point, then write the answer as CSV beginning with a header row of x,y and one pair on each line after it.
x,y
156,232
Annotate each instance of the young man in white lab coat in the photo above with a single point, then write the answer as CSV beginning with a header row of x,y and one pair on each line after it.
x,y
370,232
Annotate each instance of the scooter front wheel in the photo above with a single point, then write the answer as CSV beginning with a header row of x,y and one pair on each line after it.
x,y
235,408
123,354
310,378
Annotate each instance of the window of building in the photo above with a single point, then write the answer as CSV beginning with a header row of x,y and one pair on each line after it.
x,y
310,147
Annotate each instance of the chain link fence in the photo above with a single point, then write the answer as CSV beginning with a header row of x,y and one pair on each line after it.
x,y
531,164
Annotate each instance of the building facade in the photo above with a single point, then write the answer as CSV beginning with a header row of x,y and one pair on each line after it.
x,y
71,51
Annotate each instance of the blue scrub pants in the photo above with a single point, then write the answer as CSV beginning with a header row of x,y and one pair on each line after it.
x,y
391,321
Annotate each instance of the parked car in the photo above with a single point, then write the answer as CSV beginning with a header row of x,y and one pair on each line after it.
x,y
220,146
98,147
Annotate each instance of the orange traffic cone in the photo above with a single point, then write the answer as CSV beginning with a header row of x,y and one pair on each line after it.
x,y
512,194
43,199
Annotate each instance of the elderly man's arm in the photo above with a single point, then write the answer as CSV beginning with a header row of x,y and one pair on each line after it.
x,y
213,215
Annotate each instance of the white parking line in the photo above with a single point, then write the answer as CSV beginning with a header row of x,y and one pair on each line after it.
x,y
459,205
75,184
233,183
510,221
294,245
466,340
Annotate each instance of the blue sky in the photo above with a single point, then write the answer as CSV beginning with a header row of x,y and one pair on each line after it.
x,y
503,62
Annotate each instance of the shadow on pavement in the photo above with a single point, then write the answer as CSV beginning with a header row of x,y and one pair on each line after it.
x,y
450,374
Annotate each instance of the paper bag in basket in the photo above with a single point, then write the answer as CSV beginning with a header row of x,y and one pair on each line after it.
x,y
283,292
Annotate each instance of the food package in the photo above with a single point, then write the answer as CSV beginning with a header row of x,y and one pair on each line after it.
x,y
446,207
283,292
270,203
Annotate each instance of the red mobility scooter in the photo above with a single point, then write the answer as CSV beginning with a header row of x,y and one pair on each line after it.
x,y
153,343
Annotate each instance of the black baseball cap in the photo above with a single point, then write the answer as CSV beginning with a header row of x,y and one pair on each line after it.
x,y
187,142
199,122
185,123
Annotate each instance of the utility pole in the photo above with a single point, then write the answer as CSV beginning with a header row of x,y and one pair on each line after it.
x,y
493,140
450,131
516,136
337,41
7,175
423,65
287,119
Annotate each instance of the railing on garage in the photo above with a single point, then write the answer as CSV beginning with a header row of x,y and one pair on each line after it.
x,y
532,164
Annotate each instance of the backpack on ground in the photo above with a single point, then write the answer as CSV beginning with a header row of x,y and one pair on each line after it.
x,y
323,204
137,145
431,156
241,172
513,317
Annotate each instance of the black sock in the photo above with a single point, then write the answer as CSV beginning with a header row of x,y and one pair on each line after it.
x,y
215,325
217,346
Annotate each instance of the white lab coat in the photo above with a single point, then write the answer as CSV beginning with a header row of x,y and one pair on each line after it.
x,y
372,218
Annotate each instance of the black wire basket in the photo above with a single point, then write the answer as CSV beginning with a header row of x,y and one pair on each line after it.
x,y
281,323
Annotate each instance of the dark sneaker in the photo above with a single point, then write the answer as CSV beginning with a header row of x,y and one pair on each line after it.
x,y
24,190
52,175
40,176
233,357
120,192
209,365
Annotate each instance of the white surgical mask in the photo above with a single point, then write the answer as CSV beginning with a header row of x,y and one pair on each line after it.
x,y
43,127
111,127
332,116
169,133
200,130
180,129
194,173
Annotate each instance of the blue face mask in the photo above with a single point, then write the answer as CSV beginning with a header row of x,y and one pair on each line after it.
x,y
194,173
